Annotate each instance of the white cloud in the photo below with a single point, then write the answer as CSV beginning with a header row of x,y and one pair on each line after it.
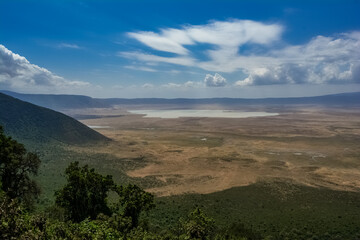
x,y
172,85
17,73
235,33
353,35
147,85
184,61
214,80
225,34
188,84
288,73
140,68
68,45
323,59
169,40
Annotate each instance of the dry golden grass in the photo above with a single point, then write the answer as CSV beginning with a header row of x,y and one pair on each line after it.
x,y
310,145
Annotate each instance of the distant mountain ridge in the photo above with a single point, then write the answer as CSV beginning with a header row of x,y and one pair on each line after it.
x,y
26,121
333,99
60,102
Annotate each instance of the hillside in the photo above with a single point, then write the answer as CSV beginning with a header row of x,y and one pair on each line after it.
x,y
58,102
29,122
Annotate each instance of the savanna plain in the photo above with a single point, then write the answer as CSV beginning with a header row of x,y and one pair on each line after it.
x,y
298,170
314,146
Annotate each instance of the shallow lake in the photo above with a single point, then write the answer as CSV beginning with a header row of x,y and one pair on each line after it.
x,y
200,113
95,127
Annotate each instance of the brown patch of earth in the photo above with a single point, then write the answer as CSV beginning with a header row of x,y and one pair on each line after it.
x,y
312,146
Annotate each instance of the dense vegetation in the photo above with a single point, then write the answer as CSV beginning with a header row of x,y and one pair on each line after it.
x,y
81,210
27,121
283,210
89,205
15,166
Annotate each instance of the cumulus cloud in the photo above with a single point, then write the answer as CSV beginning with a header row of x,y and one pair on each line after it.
x,y
214,80
287,73
322,60
17,73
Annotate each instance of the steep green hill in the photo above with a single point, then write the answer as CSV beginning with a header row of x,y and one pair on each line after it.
x,y
29,122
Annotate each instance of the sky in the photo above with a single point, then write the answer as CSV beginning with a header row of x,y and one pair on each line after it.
x,y
188,48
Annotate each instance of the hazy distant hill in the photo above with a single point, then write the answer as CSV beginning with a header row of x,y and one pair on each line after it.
x,y
334,99
59,102
27,121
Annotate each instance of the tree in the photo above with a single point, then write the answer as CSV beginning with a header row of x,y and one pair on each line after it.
x,y
16,222
85,194
198,225
16,166
133,200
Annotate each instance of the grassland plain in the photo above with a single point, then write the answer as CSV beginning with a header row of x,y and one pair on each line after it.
x,y
298,171
312,146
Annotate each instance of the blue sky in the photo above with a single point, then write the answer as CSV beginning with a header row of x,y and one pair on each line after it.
x,y
183,48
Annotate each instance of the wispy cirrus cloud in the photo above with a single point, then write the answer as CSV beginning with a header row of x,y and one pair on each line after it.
x,y
324,59
188,84
68,45
149,58
140,68
168,40
227,34
147,85
172,85
17,73
226,37
192,84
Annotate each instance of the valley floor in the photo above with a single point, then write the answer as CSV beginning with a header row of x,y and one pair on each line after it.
x,y
310,145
